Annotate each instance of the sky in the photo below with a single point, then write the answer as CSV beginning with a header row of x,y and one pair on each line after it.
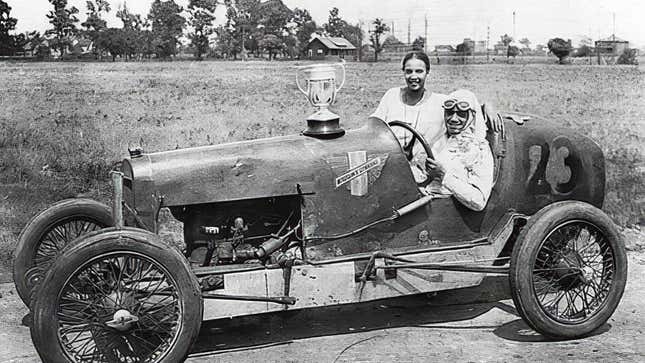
x,y
449,21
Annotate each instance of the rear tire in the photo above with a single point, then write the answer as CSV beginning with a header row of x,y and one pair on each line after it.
x,y
568,270
47,233
117,295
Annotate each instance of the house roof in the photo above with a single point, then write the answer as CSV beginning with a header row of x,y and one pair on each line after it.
x,y
336,43
613,39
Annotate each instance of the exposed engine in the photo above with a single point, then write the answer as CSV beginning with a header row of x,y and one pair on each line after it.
x,y
264,230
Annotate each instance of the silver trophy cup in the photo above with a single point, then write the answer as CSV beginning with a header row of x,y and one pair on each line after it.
x,y
320,89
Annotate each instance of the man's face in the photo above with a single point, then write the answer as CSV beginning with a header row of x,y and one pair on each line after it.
x,y
415,74
456,120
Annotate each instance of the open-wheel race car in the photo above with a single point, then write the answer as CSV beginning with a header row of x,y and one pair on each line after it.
x,y
321,218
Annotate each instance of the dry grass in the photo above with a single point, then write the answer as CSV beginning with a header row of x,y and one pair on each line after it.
x,y
62,126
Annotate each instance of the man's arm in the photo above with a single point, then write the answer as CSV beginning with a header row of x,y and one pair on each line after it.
x,y
472,191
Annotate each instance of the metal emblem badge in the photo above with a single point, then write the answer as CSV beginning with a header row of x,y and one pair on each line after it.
x,y
357,171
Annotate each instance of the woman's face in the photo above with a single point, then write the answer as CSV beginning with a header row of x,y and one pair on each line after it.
x,y
415,74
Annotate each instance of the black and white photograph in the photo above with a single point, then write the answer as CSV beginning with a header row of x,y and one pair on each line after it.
x,y
322,181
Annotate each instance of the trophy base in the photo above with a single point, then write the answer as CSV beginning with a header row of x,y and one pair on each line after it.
x,y
324,124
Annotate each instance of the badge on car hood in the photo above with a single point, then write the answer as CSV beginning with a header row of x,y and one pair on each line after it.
x,y
357,171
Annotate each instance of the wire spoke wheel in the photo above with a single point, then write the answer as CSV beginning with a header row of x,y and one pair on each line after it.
x,y
573,272
568,270
117,296
119,307
48,233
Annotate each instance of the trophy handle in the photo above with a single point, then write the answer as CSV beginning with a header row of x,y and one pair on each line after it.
x,y
342,67
298,83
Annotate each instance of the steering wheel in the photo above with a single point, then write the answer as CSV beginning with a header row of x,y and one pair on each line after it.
x,y
416,135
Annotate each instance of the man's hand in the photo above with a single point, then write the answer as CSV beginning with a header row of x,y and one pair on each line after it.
x,y
493,118
435,170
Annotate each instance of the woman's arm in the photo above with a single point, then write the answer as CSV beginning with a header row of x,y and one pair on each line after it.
x,y
493,118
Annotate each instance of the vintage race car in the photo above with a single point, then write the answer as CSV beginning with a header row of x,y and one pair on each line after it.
x,y
304,221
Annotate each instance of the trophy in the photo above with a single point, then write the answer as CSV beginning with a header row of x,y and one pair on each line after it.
x,y
320,89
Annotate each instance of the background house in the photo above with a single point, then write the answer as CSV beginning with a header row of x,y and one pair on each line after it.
x,y
611,45
323,47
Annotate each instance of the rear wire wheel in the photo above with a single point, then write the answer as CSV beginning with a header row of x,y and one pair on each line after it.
x,y
47,233
568,270
117,296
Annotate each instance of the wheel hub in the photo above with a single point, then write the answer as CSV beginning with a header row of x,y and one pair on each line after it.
x,y
122,320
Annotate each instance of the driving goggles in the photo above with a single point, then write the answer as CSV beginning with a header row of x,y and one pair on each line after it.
x,y
459,105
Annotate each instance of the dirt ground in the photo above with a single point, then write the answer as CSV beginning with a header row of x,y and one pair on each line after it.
x,y
471,325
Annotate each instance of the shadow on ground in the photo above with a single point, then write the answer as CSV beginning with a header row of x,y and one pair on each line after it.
x,y
249,332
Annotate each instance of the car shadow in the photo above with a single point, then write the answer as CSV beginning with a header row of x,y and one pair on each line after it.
x,y
519,331
262,330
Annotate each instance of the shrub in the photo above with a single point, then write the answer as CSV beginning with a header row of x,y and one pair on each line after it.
x,y
628,57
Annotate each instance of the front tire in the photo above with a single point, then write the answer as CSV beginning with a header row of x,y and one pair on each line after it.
x,y
47,233
117,295
568,270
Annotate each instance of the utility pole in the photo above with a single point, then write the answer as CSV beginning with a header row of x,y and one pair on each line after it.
x,y
613,32
409,41
425,44
360,40
513,25
487,43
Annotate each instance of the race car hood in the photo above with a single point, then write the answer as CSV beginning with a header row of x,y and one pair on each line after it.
x,y
278,166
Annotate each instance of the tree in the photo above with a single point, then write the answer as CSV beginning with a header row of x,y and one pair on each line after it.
x,y
506,40
335,24
375,36
95,24
526,43
113,40
303,27
628,56
419,43
337,27
560,48
242,20
464,49
583,51
7,24
130,20
63,20
512,51
201,17
272,44
167,27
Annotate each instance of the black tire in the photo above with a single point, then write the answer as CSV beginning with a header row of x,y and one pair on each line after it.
x,y
47,233
550,264
128,273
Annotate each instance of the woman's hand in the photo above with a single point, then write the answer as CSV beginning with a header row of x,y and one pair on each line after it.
x,y
435,170
493,118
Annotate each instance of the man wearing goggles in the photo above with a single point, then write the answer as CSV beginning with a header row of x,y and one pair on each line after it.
x,y
463,166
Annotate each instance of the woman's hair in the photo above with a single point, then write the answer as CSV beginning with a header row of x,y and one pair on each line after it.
x,y
418,54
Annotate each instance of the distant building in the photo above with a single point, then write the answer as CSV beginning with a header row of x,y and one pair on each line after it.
x,y
394,49
444,49
322,47
501,49
480,47
611,46
470,44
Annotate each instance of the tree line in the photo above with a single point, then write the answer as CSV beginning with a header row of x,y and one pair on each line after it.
x,y
250,28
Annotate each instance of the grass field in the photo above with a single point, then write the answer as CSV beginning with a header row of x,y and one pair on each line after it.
x,y
63,125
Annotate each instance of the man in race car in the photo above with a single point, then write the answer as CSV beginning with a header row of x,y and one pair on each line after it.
x,y
463,163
